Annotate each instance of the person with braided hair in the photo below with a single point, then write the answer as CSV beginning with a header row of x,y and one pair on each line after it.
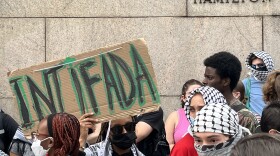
x,y
58,135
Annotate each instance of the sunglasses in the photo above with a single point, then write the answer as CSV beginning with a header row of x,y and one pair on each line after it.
x,y
40,135
118,129
256,66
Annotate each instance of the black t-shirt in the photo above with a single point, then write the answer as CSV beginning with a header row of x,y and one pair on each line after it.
x,y
8,128
155,120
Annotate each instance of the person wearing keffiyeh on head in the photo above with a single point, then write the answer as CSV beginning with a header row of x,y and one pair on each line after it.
x,y
216,130
222,71
118,138
200,97
260,64
197,99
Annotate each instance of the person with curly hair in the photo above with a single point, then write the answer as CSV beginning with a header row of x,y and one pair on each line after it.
x,y
58,135
222,71
271,88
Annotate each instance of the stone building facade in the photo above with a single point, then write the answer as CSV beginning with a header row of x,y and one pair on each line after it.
x,y
180,34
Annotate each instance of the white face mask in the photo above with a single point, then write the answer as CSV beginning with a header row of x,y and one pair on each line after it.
x,y
37,149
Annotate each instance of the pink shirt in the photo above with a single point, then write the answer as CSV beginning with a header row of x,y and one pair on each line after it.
x,y
182,126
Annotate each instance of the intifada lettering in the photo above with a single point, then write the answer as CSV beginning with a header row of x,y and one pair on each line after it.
x,y
48,99
228,1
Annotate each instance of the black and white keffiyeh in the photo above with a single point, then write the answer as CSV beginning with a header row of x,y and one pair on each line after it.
x,y
260,75
216,118
3,153
209,94
104,148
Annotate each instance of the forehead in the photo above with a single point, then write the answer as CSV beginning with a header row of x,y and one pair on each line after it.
x,y
257,61
193,87
197,100
122,121
206,135
43,128
210,71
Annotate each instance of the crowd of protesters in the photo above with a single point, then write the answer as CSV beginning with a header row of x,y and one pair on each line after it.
x,y
221,116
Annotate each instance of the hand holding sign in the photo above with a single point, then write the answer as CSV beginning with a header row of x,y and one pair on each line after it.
x,y
87,121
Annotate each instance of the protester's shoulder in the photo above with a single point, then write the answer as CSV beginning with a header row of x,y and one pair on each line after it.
x,y
151,116
184,147
94,150
20,147
247,118
247,113
244,111
9,120
245,80
173,116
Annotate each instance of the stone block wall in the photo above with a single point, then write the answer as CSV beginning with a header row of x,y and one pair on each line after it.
x,y
180,34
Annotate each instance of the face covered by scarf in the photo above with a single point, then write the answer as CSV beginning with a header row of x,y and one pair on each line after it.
x,y
209,94
217,118
260,75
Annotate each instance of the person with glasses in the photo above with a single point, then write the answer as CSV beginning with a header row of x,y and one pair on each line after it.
x,y
260,64
271,88
117,138
57,135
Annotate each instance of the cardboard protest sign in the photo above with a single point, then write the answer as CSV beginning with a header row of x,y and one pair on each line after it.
x,y
112,82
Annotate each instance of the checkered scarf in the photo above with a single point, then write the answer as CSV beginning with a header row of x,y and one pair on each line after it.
x,y
260,75
209,94
216,118
104,148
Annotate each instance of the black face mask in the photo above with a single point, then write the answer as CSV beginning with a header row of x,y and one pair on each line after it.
x,y
124,141
261,67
